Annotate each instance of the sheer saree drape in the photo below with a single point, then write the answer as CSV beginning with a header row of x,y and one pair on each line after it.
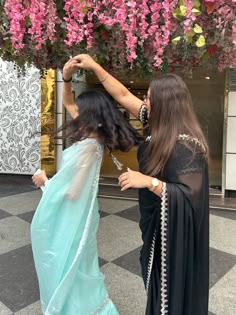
x,y
175,228
63,236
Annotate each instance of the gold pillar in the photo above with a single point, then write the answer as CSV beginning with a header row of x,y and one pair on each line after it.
x,y
48,123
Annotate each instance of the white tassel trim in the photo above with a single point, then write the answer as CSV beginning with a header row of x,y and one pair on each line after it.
x,y
164,224
150,262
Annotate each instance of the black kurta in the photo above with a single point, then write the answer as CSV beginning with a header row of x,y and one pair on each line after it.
x,y
175,232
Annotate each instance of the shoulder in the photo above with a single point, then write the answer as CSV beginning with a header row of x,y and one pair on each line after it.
x,y
189,155
89,145
190,145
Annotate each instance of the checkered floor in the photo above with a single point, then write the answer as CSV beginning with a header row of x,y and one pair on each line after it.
x,y
119,243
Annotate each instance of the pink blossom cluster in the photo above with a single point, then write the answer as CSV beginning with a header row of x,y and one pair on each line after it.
x,y
122,32
168,26
79,21
17,11
145,24
43,17
37,18
190,16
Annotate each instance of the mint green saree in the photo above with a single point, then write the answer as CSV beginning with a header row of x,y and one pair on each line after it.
x,y
63,235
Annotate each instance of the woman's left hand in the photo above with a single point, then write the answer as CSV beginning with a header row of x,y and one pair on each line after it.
x,y
39,179
133,179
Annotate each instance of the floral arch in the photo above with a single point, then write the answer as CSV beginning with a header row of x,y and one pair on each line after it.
x,y
144,35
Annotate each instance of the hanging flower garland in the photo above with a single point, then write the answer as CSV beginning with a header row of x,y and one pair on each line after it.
x,y
16,11
145,35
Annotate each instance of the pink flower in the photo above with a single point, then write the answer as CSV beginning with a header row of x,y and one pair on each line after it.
x,y
121,32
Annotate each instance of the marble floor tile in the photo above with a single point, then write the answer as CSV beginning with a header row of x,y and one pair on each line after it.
x,y
114,192
114,205
27,216
4,310
24,202
223,293
223,234
103,214
130,261
228,214
220,264
119,242
125,289
14,233
117,236
102,261
19,286
32,309
131,213
10,190
4,214
16,180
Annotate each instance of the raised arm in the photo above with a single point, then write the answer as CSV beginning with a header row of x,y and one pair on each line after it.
x,y
115,88
67,95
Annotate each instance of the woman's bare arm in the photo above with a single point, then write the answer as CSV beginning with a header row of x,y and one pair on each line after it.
x,y
115,88
67,95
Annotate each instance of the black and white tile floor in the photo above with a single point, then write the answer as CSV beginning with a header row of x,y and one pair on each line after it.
x,y
119,243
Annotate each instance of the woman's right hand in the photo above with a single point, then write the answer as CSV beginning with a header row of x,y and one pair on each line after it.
x,y
70,67
84,61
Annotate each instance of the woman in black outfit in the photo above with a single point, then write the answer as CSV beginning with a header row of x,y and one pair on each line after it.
x,y
173,193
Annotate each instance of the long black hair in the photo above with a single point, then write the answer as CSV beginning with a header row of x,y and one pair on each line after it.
x,y
99,115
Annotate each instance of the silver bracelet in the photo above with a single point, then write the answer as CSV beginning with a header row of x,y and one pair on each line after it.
x,y
143,114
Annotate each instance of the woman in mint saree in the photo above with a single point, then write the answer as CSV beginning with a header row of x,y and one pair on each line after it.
x,y
64,236
65,224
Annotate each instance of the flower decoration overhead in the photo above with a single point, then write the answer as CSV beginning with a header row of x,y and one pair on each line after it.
x,y
144,35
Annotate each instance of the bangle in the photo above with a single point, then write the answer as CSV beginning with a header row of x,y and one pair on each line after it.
x,y
107,74
143,114
66,81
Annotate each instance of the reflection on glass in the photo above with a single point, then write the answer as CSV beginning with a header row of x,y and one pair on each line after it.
x,y
48,122
208,100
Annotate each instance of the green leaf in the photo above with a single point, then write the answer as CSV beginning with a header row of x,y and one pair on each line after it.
x,y
196,3
183,10
196,11
197,29
189,36
176,40
201,41
176,13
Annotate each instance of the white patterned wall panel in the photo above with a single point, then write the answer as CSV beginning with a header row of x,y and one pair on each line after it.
x,y
20,100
